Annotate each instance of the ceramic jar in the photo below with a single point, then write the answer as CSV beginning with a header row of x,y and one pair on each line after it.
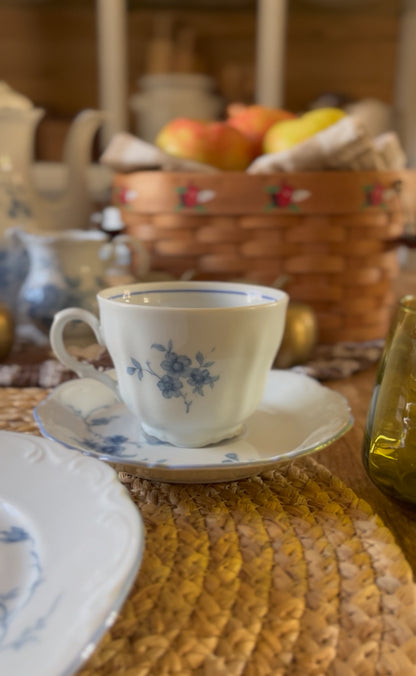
x,y
165,96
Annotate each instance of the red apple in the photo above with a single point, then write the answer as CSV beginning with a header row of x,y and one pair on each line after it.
x,y
253,121
214,143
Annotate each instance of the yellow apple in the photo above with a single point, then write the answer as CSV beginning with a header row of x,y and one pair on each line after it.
x,y
286,134
253,121
214,143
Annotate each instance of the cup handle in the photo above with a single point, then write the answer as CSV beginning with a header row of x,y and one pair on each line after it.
x,y
56,337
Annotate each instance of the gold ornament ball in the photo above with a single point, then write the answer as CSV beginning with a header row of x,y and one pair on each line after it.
x,y
6,331
299,337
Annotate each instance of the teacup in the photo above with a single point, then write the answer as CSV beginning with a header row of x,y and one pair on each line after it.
x,y
191,358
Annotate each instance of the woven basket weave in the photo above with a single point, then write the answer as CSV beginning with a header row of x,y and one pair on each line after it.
x,y
332,236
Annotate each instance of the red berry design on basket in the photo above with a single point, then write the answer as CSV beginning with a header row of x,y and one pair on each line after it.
x,y
375,194
125,195
190,196
286,196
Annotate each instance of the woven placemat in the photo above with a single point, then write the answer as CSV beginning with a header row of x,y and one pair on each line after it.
x,y
285,573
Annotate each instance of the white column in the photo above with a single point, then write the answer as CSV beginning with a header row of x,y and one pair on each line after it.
x,y
112,65
270,52
405,94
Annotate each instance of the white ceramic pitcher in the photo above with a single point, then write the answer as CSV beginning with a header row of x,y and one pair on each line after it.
x,y
18,124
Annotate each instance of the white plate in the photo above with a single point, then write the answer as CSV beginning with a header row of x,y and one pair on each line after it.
x,y
71,542
297,415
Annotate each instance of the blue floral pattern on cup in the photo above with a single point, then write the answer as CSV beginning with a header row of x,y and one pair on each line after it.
x,y
181,376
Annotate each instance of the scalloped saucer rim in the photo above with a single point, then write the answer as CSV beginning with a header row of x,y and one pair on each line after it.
x,y
297,416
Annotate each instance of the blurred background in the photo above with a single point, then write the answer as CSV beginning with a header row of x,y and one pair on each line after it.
x,y
75,73
53,51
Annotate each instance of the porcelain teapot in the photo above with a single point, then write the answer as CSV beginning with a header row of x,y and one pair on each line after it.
x,y
20,201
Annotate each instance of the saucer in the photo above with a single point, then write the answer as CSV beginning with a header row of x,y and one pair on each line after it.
x,y
297,416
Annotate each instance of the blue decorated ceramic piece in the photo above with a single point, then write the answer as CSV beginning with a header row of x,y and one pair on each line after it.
x,y
14,266
71,543
191,357
64,269
297,416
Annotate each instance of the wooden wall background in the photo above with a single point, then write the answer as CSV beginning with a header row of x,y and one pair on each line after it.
x,y
48,52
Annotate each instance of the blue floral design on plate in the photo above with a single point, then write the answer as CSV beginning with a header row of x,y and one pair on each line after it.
x,y
14,599
182,377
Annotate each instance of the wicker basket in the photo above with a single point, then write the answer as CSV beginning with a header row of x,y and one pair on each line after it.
x,y
332,235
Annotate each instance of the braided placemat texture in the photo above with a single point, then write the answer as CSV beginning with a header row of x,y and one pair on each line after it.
x,y
287,573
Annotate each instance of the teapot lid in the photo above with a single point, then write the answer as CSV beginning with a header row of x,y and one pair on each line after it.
x,y
11,99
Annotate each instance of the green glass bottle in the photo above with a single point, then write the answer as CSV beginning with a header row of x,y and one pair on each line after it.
x,y
389,448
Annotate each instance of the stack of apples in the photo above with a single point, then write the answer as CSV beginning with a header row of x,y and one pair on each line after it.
x,y
246,133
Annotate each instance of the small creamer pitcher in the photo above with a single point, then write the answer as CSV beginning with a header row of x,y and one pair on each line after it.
x,y
69,267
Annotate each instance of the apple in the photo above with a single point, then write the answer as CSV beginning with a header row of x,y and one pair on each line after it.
x,y
214,143
286,134
253,121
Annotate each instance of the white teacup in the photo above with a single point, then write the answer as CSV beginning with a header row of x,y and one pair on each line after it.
x,y
191,358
